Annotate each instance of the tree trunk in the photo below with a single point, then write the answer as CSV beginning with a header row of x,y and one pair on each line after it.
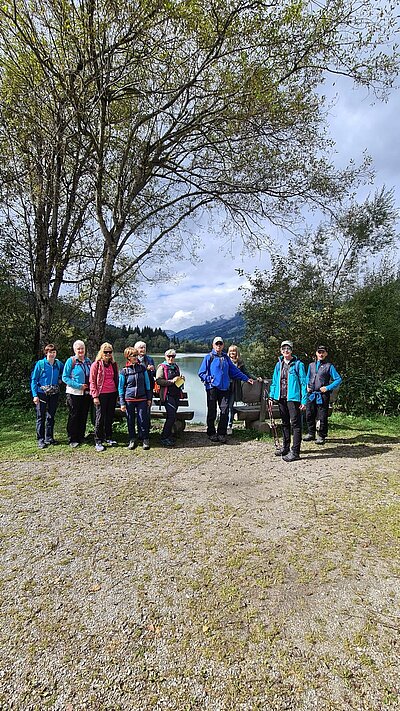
x,y
104,295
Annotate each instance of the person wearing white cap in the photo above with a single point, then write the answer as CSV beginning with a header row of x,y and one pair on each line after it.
x,y
216,372
288,387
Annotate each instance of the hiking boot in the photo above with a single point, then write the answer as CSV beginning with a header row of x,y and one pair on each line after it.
x,y
99,447
319,440
213,438
132,444
41,444
308,438
146,444
291,457
222,439
281,452
74,444
111,442
229,431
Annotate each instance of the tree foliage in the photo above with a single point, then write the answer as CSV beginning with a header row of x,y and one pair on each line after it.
x,y
326,289
136,117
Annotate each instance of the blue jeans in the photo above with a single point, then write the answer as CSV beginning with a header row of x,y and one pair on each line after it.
x,y
142,411
45,413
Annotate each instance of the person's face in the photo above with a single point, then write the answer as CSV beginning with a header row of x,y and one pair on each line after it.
x,y
286,351
218,346
108,354
142,350
133,359
232,353
50,355
170,358
321,353
80,352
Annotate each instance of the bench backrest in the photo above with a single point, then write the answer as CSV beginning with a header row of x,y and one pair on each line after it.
x,y
252,393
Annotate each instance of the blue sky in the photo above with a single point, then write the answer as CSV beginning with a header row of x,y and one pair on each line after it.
x,y
210,288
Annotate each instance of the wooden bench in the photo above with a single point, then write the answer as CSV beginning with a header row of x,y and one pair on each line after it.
x,y
158,413
182,416
254,410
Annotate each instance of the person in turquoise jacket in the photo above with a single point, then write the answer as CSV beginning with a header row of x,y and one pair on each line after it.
x,y
45,387
288,388
216,372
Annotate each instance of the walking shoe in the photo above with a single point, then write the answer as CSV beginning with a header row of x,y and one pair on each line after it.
x,y
222,439
281,452
48,442
74,444
99,447
229,431
146,444
213,438
111,442
308,438
132,444
291,457
41,444
319,440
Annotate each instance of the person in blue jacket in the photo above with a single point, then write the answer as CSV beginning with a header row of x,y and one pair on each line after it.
x,y
216,372
45,387
322,378
288,387
76,377
135,397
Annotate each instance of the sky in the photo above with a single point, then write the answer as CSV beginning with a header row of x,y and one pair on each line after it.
x,y
211,287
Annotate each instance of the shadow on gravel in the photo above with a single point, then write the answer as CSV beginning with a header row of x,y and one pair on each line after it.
x,y
200,439
358,451
367,439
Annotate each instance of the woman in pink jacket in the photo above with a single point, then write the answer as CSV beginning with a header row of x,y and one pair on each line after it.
x,y
103,389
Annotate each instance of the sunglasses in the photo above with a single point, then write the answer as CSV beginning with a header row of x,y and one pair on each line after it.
x,y
171,356
286,348
107,352
219,343
321,350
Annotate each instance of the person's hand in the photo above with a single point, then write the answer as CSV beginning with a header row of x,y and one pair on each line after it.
x,y
85,386
323,389
175,379
148,403
150,367
308,389
123,408
251,381
96,400
302,408
259,379
36,400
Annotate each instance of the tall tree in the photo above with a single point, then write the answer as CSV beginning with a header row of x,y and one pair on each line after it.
x,y
193,106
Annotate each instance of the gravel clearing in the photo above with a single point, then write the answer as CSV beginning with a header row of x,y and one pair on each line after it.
x,y
207,577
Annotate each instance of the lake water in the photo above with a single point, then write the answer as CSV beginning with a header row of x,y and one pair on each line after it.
x,y
189,364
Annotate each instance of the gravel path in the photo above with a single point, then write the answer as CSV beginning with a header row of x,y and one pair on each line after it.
x,y
205,577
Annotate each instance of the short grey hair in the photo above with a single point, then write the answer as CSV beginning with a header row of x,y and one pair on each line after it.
x,y
170,351
78,344
139,344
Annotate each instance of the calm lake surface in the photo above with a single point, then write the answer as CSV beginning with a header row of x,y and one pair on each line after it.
x,y
189,363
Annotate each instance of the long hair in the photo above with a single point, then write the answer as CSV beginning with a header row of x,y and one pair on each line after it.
x,y
103,347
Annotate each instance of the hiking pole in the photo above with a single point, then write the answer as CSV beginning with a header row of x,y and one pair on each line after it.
x,y
273,424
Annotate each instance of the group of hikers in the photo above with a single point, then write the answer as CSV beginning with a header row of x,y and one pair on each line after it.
x,y
101,383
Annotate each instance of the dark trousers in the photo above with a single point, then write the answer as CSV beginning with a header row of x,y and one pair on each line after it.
x,y
45,413
141,410
104,417
171,405
291,424
220,397
316,412
78,406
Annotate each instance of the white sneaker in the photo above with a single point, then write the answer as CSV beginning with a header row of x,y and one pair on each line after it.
x,y
229,431
111,442
99,447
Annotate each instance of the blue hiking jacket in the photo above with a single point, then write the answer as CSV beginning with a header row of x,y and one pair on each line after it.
x,y
297,391
217,371
45,374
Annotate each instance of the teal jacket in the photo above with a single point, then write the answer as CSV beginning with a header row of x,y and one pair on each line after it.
x,y
297,390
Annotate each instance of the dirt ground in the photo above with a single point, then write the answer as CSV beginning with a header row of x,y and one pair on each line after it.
x,y
207,577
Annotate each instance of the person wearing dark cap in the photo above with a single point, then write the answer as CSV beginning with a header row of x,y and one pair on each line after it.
x,y
322,378
288,387
216,372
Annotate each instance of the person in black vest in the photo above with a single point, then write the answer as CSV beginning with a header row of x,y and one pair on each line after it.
x,y
322,378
